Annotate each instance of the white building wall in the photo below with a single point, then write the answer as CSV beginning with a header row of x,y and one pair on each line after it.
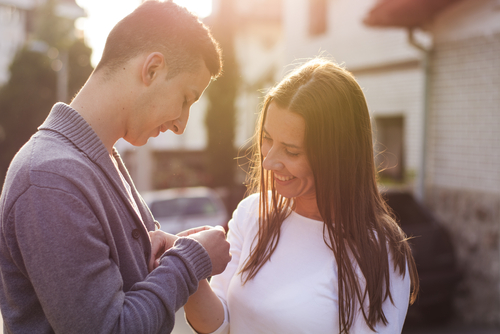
x,y
398,93
465,110
347,39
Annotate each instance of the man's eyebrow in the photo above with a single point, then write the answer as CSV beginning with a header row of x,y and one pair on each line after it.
x,y
284,144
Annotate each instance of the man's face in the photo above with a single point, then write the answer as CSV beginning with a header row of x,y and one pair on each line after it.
x,y
165,104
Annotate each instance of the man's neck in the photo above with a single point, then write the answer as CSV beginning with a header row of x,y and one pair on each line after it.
x,y
102,106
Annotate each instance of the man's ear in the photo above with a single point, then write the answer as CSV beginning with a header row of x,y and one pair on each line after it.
x,y
152,65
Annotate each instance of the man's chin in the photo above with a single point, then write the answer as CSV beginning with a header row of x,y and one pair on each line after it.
x,y
138,142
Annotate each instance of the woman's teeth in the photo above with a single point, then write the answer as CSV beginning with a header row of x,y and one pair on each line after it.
x,y
283,178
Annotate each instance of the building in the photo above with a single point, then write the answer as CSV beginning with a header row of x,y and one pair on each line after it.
x,y
462,146
386,66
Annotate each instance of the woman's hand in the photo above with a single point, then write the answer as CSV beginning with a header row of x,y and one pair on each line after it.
x,y
160,243
194,230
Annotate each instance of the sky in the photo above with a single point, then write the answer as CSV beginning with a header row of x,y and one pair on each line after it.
x,y
102,15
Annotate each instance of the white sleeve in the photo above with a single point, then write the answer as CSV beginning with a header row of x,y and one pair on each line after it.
x,y
400,292
244,216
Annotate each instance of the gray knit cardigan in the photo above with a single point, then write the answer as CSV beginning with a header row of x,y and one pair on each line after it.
x,y
73,251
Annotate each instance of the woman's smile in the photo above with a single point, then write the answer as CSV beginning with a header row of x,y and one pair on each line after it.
x,y
282,178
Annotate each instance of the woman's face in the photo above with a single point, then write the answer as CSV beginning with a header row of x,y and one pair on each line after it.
x,y
285,155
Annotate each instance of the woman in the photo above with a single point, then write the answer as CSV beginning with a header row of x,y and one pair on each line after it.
x,y
315,250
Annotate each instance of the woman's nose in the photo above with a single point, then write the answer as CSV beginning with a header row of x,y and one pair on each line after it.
x,y
272,161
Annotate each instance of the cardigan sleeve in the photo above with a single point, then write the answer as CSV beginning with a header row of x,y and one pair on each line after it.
x,y
60,260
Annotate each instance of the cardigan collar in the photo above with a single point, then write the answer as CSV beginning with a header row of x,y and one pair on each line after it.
x,y
68,122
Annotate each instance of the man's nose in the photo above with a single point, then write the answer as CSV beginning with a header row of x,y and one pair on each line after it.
x,y
179,125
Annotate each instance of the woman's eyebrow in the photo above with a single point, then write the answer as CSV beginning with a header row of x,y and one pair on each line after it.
x,y
282,143
291,145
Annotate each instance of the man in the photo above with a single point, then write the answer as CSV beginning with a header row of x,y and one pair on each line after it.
x,y
76,237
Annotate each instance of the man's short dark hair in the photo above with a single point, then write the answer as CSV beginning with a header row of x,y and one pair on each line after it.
x,y
157,26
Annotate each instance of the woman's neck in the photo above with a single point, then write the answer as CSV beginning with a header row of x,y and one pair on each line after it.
x,y
307,207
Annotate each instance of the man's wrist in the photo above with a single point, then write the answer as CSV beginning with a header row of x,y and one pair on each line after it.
x,y
194,256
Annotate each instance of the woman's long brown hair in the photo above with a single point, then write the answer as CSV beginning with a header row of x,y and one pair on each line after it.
x,y
357,223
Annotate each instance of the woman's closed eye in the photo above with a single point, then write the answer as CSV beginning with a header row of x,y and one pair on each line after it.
x,y
292,154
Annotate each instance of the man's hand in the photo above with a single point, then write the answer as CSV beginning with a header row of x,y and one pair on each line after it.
x,y
213,239
160,243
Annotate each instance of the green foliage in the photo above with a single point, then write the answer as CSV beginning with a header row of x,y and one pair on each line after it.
x,y
221,114
79,66
54,30
24,101
30,93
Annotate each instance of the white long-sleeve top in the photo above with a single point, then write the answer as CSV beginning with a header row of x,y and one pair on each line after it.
x,y
297,290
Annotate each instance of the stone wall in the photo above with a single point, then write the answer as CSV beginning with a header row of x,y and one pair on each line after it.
x,y
473,219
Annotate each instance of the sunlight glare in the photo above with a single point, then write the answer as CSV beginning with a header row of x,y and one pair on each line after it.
x,y
202,8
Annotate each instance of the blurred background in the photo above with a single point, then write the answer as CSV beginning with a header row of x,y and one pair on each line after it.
x,y
430,70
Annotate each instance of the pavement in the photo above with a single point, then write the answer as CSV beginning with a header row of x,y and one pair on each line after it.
x,y
450,329
182,328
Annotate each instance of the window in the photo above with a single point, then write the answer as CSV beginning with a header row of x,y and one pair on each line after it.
x,y
389,147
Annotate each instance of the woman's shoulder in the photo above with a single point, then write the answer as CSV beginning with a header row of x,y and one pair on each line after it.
x,y
246,212
249,203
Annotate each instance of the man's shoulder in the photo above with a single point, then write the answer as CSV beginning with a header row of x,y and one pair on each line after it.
x,y
50,152
46,160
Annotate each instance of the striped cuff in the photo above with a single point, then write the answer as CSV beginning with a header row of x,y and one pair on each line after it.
x,y
194,256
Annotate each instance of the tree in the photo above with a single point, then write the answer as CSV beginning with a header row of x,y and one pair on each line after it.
x,y
26,99
220,118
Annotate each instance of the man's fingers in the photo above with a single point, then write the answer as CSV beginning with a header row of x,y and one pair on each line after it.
x,y
152,260
160,243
